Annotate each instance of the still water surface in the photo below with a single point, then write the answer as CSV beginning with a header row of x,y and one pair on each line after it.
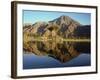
x,y
53,55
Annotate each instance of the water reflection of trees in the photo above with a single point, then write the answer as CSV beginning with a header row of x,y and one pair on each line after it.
x,y
62,52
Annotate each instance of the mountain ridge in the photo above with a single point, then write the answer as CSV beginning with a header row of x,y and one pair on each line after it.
x,y
63,26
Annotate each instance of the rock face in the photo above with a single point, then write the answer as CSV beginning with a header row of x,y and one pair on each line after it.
x,y
64,26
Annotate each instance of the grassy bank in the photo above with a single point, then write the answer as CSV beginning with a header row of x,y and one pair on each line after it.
x,y
69,40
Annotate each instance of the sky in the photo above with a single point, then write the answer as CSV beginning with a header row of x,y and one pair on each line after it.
x,y
31,16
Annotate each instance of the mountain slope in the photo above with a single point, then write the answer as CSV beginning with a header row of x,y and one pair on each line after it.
x,y
63,26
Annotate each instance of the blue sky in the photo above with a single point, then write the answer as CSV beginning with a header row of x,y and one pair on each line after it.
x,y
45,16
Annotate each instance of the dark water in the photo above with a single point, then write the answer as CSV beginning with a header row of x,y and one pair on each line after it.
x,y
52,55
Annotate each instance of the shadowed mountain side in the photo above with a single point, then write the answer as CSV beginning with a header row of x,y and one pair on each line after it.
x,y
83,32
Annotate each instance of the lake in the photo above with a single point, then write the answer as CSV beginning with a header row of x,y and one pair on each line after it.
x,y
52,54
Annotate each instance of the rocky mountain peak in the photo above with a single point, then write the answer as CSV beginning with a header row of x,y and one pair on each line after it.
x,y
64,20
63,17
40,23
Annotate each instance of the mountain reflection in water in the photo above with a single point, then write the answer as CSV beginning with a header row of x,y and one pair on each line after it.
x,y
49,54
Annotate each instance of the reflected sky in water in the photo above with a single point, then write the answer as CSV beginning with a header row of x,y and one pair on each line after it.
x,y
32,61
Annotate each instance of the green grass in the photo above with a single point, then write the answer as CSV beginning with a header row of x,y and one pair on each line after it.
x,y
69,40
77,40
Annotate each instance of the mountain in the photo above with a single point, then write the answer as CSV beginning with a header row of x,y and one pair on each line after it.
x,y
64,20
63,26
83,31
